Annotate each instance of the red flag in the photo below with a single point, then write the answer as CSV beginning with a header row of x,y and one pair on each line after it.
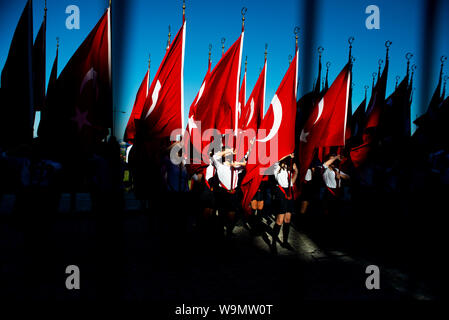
x,y
193,131
252,113
279,138
81,107
326,125
39,67
17,115
130,131
50,93
163,111
360,153
217,108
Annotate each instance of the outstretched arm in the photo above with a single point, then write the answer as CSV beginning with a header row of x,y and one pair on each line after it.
x,y
330,161
295,174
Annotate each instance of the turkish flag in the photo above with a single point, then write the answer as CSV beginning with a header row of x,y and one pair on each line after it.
x,y
39,79
217,108
163,111
326,125
376,107
276,137
16,104
50,93
252,113
192,135
81,105
130,131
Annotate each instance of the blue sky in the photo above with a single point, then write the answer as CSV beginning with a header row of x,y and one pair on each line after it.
x,y
142,29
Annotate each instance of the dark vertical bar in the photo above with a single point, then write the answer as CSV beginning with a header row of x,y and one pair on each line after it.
x,y
310,9
429,61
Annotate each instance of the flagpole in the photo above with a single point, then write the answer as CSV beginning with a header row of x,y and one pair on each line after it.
x,y
442,59
326,84
350,41
444,86
380,62
388,43
373,85
210,49
169,36
408,56
222,45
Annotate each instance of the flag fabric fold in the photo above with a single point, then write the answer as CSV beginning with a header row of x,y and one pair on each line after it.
x,y
326,125
276,134
17,120
163,111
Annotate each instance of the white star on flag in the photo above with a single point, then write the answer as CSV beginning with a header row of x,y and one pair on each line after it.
x,y
81,119
303,136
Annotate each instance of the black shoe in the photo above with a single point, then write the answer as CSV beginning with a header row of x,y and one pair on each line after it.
x,y
288,246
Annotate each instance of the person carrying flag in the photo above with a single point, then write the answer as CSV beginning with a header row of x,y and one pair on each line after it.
x,y
285,174
332,177
228,173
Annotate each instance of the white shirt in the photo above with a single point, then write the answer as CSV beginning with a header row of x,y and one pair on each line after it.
x,y
308,176
329,177
209,171
281,176
225,174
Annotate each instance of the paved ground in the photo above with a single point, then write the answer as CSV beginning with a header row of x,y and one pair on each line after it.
x,y
144,257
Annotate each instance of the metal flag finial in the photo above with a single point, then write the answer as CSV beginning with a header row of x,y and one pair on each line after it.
x,y
45,8
328,64
246,62
408,56
149,61
57,42
169,36
210,49
289,58
222,45
366,89
387,45
296,32
380,62
243,17
183,8
320,50
374,78
397,80
350,41
266,47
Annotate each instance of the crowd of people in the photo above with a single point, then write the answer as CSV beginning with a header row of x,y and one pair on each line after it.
x,y
213,194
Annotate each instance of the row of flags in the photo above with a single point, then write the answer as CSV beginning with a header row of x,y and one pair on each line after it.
x,y
77,110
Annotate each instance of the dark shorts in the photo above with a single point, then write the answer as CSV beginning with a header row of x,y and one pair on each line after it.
x,y
259,196
227,201
207,198
284,204
307,191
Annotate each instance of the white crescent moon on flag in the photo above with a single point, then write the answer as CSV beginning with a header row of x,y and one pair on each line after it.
x,y
90,75
320,109
154,97
252,111
200,93
277,118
